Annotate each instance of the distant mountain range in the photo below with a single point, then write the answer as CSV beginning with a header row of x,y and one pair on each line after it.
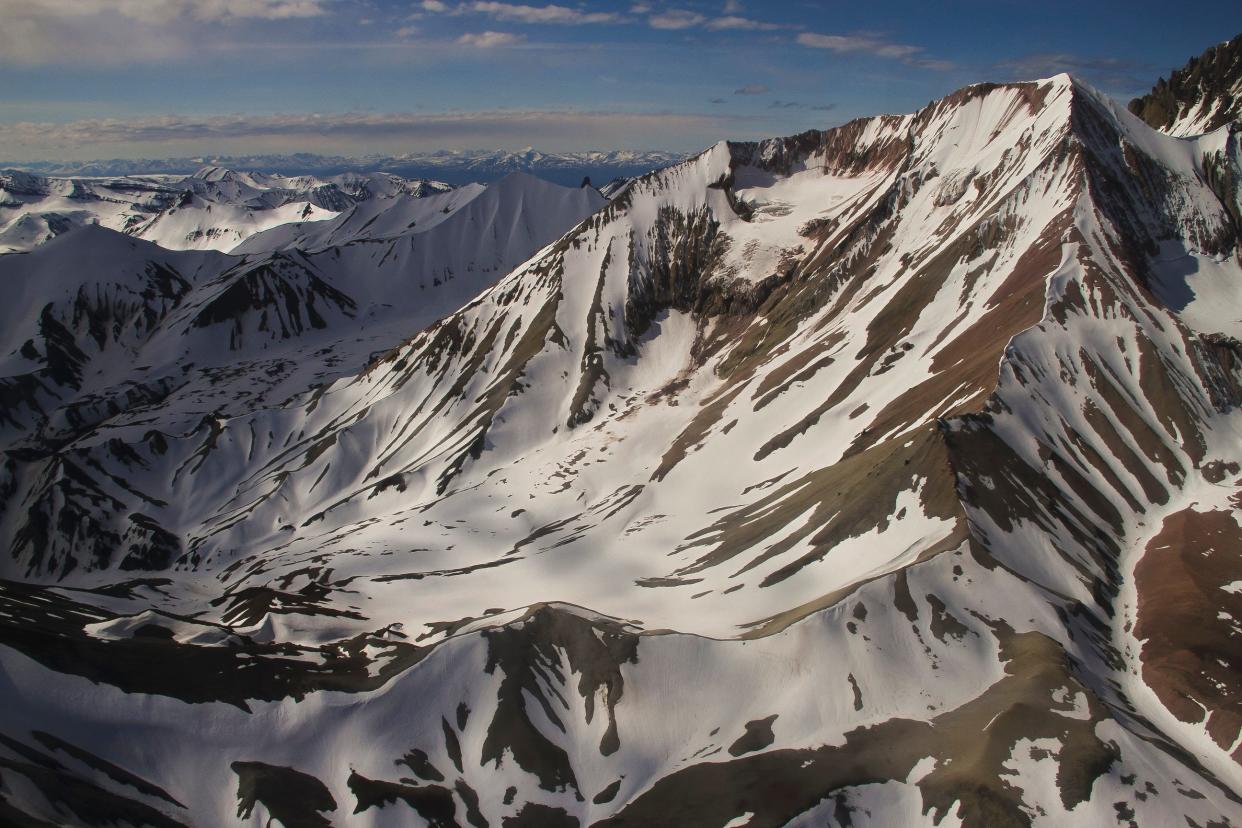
x,y
213,209
451,166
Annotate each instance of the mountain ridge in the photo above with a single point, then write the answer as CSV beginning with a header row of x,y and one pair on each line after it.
x,y
177,211
919,394
1200,97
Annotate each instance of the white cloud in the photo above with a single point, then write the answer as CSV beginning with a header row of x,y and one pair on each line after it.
x,y
683,19
675,19
162,11
857,43
553,14
561,15
752,89
35,32
265,9
732,7
741,23
489,40
873,45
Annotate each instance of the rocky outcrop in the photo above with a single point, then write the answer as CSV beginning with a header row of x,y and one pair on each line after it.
x,y
1202,96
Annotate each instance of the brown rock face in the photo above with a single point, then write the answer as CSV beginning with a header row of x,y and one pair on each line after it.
x,y
1188,620
1208,82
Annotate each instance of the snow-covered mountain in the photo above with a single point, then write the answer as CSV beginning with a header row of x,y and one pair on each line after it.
x,y
122,322
520,206
883,475
561,167
1202,96
454,166
213,209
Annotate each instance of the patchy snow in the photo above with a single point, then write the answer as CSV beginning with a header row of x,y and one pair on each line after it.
x,y
784,448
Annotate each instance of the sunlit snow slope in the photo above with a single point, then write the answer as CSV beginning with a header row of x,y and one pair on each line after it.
x,y
887,475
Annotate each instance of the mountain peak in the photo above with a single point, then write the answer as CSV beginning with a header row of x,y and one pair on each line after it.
x,y
1200,97
214,174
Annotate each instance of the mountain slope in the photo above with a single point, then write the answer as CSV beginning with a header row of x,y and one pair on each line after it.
x,y
213,209
134,336
828,480
1202,96
518,212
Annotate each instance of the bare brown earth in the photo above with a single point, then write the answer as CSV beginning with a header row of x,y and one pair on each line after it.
x,y
1188,620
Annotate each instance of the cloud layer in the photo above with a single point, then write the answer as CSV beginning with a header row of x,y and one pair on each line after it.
x,y
38,32
874,45
488,40
676,19
381,132
163,11
518,13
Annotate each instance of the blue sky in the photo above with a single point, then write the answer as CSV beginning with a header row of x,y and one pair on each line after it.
x,y
83,79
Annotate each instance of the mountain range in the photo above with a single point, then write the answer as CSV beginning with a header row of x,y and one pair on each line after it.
x,y
213,209
453,166
888,474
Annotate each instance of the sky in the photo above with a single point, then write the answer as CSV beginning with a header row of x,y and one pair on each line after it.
x,y
92,79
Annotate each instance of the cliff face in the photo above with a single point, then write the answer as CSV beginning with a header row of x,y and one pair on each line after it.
x,y
1202,96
